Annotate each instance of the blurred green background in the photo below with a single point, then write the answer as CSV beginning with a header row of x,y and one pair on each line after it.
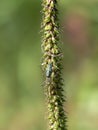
x,y
21,91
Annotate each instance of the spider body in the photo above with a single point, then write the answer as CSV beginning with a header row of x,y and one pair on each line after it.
x,y
49,70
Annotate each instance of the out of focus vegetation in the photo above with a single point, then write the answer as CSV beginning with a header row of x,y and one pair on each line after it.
x,y
21,91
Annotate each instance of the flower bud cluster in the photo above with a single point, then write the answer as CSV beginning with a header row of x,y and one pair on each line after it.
x,y
52,66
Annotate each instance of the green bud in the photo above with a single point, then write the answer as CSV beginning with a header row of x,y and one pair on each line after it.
x,y
48,27
48,47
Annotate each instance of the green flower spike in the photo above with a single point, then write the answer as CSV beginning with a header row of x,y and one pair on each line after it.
x,y
52,66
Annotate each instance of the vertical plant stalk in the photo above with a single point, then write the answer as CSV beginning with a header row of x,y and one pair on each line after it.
x,y
52,66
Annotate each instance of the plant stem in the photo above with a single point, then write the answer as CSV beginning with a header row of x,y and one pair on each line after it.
x,y
52,66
